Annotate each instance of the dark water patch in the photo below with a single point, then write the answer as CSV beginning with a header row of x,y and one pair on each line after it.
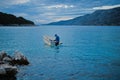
x,y
7,77
115,63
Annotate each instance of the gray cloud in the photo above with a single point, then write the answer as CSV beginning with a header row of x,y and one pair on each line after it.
x,y
4,3
45,11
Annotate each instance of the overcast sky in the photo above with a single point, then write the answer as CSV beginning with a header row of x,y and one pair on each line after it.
x,y
45,11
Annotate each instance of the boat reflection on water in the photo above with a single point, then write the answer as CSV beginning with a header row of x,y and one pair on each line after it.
x,y
55,48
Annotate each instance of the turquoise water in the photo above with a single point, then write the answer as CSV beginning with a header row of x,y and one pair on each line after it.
x,y
87,52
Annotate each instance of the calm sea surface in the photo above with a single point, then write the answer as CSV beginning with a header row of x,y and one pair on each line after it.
x,y
87,52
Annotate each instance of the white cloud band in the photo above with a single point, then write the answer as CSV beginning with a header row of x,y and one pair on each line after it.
x,y
60,6
106,7
19,1
13,2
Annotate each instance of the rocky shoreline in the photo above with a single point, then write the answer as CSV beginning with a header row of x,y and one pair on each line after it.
x,y
8,65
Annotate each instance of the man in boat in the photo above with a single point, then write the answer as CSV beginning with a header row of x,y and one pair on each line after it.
x,y
57,40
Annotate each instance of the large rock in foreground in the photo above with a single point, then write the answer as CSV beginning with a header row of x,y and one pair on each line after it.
x,y
8,64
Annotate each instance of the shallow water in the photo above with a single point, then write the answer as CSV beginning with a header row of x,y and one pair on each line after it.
x,y
87,52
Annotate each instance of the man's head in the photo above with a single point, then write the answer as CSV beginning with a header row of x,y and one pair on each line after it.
x,y
55,34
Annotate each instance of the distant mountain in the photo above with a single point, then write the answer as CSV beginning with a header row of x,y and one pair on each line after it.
x,y
11,20
109,17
